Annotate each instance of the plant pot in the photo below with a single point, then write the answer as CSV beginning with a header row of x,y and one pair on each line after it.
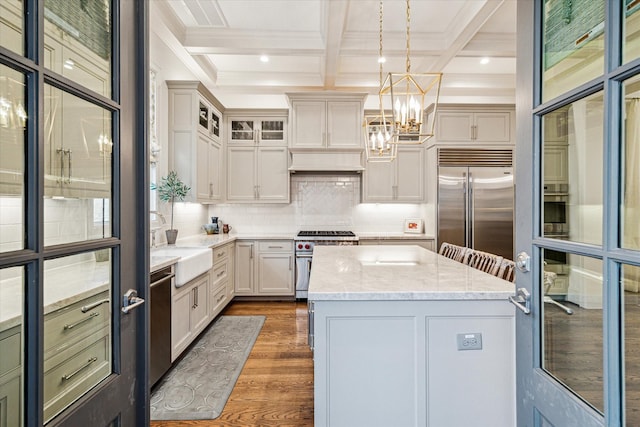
x,y
102,255
171,236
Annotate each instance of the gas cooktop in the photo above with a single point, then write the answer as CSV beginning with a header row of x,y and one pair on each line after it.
x,y
324,233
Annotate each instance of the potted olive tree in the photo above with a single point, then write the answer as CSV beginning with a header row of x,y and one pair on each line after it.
x,y
171,189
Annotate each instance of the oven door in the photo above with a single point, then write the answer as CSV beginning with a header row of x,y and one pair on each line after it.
x,y
303,271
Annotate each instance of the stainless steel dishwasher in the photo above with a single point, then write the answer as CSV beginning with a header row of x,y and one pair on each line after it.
x,y
160,323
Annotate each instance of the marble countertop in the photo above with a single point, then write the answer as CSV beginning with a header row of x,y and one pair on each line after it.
x,y
394,272
62,286
392,236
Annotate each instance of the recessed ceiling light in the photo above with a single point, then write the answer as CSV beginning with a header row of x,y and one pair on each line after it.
x,y
68,64
484,61
264,58
382,60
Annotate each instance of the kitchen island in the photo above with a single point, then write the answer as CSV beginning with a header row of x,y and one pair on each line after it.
x,y
405,337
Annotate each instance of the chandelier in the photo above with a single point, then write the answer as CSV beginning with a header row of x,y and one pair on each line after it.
x,y
378,132
412,99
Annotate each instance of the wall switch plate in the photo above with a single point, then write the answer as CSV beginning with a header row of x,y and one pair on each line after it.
x,y
470,341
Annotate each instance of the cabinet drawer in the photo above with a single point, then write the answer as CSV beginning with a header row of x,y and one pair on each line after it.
x,y
275,246
75,321
221,253
219,274
218,299
68,378
10,350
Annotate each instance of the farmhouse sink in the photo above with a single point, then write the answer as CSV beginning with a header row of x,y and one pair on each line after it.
x,y
192,263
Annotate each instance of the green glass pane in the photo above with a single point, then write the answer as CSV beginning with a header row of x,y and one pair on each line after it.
x,y
572,324
13,119
77,327
77,39
78,162
573,44
630,206
631,303
572,171
12,25
11,346
631,36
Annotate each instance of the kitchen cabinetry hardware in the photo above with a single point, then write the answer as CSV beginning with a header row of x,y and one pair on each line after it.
x,y
522,300
161,280
220,274
68,152
93,305
290,263
67,377
131,300
79,322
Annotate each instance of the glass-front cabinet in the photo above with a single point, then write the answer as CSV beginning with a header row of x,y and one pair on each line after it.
x,y
257,130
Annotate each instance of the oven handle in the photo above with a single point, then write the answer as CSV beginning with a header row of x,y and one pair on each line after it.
x,y
304,255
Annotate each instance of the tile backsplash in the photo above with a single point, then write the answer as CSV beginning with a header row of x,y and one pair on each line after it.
x,y
319,201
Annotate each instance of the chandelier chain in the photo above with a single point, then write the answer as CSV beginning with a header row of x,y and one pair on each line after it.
x,y
380,49
408,37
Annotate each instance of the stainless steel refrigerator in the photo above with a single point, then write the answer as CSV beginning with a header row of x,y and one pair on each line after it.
x,y
475,207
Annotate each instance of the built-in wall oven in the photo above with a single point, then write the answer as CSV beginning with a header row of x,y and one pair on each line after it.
x,y
555,215
304,243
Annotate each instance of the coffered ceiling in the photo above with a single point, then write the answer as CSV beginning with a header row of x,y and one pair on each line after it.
x,y
332,45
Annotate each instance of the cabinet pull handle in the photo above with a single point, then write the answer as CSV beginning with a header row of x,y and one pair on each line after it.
x,y
80,369
93,305
61,152
251,255
220,274
290,263
69,176
79,322
275,247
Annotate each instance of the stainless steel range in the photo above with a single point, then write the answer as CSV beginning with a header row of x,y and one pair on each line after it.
x,y
305,240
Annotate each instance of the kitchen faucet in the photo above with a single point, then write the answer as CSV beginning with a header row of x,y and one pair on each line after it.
x,y
153,230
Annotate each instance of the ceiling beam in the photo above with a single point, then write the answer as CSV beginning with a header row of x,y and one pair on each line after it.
x,y
335,20
465,31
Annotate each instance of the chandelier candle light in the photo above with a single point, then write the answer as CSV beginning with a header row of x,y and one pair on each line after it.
x,y
413,100
378,130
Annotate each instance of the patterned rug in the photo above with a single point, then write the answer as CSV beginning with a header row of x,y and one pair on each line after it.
x,y
197,388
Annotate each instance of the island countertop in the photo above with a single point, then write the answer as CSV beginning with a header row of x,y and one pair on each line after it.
x,y
398,273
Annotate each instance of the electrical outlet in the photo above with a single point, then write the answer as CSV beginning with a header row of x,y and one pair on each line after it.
x,y
470,341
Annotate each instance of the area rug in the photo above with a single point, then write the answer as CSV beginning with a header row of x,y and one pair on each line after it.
x,y
197,388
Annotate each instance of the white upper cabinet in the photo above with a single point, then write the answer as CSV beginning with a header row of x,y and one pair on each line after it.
x,y
257,174
257,130
481,125
328,123
400,181
195,149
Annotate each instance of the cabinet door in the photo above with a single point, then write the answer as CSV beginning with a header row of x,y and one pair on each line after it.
x,y
273,174
556,164
379,182
180,326
410,175
241,174
493,127
215,172
202,187
273,131
243,271
344,124
309,124
275,274
242,130
454,126
200,305
10,397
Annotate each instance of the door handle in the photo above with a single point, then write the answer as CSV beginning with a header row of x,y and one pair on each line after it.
x,y
522,300
131,300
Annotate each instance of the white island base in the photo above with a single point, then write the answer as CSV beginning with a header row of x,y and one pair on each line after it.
x,y
393,359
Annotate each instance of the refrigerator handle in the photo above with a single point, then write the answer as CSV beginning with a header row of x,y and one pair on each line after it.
x,y
470,212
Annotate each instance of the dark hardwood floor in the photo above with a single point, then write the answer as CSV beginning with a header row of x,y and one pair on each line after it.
x,y
275,387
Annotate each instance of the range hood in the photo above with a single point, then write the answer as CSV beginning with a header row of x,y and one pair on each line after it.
x,y
323,160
